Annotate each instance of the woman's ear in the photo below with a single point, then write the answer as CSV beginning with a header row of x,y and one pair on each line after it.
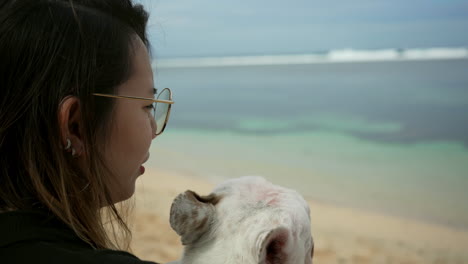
x,y
69,117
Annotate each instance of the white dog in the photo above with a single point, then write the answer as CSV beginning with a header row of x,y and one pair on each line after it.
x,y
243,221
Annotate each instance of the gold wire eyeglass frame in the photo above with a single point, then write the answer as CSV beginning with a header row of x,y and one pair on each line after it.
x,y
170,102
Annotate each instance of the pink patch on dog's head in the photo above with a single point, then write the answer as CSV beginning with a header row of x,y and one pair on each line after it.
x,y
269,196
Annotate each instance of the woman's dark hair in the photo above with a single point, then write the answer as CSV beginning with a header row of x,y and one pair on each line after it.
x,y
51,49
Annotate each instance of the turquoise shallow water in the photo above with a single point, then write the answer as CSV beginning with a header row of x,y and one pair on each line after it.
x,y
425,181
386,136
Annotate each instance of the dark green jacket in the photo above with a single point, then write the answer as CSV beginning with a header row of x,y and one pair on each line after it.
x,y
36,237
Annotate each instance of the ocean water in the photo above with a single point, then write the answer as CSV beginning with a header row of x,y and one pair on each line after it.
x,y
390,136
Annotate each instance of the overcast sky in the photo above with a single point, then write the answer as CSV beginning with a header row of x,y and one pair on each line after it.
x,y
181,28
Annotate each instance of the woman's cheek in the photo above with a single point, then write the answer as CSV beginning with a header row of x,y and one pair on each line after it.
x,y
146,131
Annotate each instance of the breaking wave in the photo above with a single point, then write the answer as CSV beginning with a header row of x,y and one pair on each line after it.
x,y
332,56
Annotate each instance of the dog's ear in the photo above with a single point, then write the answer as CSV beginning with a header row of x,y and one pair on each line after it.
x,y
273,247
192,215
312,253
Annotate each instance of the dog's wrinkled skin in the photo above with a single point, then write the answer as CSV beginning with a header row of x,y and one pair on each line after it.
x,y
246,220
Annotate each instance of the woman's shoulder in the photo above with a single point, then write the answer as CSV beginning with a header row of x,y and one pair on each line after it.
x,y
55,253
34,237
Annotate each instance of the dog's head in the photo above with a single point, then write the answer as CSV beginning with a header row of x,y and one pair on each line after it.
x,y
244,220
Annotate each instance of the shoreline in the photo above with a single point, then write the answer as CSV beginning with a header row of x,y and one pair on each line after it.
x,y
376,211
341,234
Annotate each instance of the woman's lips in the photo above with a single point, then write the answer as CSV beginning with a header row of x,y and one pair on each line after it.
x,y
142,169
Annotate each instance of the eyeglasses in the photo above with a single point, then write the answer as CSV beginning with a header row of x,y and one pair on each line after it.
x,y
161,107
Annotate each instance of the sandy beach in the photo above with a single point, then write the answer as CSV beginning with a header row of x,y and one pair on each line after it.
x,y
341,235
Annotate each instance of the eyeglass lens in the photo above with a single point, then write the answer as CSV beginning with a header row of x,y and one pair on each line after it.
x,y
161,110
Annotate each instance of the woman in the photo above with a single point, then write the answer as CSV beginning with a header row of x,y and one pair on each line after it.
x,y
77,117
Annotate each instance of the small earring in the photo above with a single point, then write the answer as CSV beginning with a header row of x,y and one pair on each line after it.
x,y
68,144
73,152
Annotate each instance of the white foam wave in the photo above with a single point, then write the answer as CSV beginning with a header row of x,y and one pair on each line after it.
x,y
333,56
436,53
